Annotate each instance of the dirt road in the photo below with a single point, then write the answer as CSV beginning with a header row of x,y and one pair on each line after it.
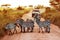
x,y
53,35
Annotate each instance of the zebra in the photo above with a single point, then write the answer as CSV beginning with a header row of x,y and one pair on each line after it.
x,y
42,24
29,24
9,27
47,25
19,23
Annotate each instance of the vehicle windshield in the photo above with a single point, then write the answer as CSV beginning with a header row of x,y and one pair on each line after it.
x,y
35,10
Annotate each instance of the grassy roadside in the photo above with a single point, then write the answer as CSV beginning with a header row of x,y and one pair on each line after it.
x,y
10,15
54,16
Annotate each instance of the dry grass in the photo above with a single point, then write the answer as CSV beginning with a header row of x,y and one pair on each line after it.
x,y
10,15
53,15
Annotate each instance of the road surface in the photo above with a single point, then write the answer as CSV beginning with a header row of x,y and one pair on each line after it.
x,y
53,35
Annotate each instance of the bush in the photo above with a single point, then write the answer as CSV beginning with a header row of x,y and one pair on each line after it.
x,y
54,17
2,33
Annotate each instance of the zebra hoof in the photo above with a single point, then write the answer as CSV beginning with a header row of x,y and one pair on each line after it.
x,y
39,32
24,32
27,31
48,31
42,31
31,31
45,30
21,31
10,34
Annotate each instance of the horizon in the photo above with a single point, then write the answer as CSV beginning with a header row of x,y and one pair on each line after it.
x,y
16,3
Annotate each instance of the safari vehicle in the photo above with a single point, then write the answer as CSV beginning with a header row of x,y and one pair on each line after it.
x,y
35,11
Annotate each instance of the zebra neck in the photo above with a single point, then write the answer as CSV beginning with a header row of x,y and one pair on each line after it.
x,y
37,21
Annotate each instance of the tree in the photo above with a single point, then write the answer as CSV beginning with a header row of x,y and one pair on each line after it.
x,y
55,4
30,5
48,9
6,5
20,8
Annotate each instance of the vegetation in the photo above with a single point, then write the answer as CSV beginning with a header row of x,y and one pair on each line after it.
x,y
55,4
11,14
53,15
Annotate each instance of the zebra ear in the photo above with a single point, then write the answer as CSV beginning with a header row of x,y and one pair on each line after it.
x,y
48,18
32,14
7,23
15,23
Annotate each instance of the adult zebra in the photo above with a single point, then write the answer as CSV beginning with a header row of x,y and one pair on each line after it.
x,y
42,24
10,28
29,24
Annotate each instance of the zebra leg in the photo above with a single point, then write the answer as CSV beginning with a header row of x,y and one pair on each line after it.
x,y
39,29
12,31
42,29
15,30
9,32
45,29
23,29
28,29
31,29
48,29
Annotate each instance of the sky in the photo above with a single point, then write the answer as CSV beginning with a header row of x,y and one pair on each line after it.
x,y
15,3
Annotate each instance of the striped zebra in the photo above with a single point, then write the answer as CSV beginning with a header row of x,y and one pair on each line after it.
x,y
42,24
29,24
9,27
47,25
